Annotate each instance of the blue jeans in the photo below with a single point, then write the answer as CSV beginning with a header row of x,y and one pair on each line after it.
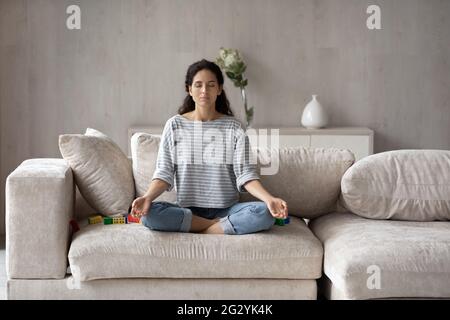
x,y
240,218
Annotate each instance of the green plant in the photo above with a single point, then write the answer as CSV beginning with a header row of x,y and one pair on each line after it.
x,y
231,62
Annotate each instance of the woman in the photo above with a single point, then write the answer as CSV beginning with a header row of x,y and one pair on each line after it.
x,y
207,191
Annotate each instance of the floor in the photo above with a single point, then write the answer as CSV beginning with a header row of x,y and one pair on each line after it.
x,y
2,268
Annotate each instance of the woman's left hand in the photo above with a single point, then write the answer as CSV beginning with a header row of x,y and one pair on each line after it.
x,y
278,208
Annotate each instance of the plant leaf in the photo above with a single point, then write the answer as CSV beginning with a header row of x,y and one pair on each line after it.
x,y
231,75
240,67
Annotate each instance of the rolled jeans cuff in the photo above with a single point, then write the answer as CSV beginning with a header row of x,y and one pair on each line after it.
x,y
226,225
187,220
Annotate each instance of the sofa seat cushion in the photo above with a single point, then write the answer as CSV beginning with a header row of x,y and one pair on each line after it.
x,y
134,251
367,259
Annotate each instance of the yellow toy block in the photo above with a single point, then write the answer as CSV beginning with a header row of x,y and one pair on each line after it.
x,y
95,219
119,220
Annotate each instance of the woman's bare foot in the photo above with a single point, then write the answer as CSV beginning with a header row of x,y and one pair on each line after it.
x,y
200,224
216,228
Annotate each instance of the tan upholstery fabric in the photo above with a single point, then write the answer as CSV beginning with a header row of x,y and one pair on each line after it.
x,y
144,151
102,171
315,173
327,289
82,209
413,258
308,179
166,289
130,251
402,185
39,205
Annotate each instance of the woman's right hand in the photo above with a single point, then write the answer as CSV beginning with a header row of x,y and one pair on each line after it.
x,y
140,206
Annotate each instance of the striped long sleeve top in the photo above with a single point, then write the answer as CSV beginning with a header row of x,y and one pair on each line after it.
x,y
207,162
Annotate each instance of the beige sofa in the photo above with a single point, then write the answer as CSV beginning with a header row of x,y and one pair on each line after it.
x,y
286,262
395,240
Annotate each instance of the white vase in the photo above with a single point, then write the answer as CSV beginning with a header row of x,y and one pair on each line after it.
x,y
314,115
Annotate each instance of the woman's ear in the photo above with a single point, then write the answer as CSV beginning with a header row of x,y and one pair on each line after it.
x,y
220,90
190,90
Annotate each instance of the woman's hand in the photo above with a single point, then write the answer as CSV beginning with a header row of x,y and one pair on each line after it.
x,y
140,206
277,207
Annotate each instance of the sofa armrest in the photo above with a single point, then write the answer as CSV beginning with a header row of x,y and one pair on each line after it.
x,y
39,205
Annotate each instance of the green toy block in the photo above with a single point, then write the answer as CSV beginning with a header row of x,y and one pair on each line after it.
x,y
107,220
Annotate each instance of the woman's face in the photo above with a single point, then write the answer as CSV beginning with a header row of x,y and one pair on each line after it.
x,y
205,89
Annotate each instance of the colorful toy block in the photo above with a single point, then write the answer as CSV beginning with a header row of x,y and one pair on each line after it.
x,y
95,219
119,219
74,226
107,220
132,219
282,222
115,219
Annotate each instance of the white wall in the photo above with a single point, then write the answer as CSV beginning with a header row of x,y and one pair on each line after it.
x,y
126,67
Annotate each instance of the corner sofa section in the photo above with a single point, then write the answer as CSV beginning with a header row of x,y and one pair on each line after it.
x,y
133,262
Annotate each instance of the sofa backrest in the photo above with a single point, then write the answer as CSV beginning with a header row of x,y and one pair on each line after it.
x,y
144,152
308,179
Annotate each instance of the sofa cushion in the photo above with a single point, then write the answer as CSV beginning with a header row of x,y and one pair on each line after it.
x,y
144,151
134,251
367,259
102,171
308,179
403,185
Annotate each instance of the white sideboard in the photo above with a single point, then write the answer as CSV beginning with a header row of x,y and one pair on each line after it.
x,y
358,140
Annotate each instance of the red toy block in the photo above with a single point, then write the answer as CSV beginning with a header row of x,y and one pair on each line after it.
x,y
132,219
74,226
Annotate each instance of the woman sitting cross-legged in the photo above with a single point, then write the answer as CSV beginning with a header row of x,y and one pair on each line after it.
x,y
205,151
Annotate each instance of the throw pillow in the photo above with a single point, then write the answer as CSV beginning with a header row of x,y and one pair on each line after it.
x,y
402,184
102,171
144,152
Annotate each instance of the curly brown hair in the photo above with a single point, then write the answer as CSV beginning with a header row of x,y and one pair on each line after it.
x,y
222,103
